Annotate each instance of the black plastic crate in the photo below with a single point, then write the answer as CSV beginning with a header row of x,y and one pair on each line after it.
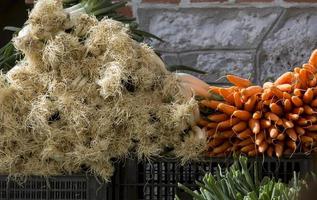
x,y
54,188
157,180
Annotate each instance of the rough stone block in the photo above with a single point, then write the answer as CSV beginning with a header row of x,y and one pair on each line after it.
x,y
290,44
219,64
207,28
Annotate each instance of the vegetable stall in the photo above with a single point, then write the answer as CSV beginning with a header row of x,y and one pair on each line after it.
x,y
87,94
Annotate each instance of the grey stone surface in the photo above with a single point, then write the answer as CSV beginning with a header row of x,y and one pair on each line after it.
x,y
219,64
209,28
290,44
170,59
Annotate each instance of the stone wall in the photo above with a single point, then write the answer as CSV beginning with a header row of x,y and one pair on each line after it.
x,y
257,39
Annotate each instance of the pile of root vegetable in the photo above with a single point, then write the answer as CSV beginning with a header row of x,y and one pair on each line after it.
x,y
86,95
277,119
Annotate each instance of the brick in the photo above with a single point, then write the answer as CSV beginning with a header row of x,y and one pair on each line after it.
x,y
126,11
162,1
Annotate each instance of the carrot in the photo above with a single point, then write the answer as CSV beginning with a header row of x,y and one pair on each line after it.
x,y
214,89
237,81
297,70
251,90
263,146
287,105
237,100
240,126
245,134
249,105
291,144
265,123
309,68
210,103
312,128
312,135
212,125
308,110
277,92
254,125
308,95
248,148
278,149
211,132
314,103
267,94
285,87
218,117
303,77
297,83
313,82
202,122
242,114
270,151
302,121
297,92
246,142
312,118
306,139
259,138
298,111
253,153
287,124
215,142
267,85
280,137
224,134
287,95
275,108
271,116
291,116
299,130
227,124
221,148
279,122
287,77
297,101
259,105
273,132
227,94
257,115
291,134
313,59
225,108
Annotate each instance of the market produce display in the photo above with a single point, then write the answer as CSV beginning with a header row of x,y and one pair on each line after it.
x,y
86,94
278,118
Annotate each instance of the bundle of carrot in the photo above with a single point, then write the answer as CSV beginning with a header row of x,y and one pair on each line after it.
x,y
276,119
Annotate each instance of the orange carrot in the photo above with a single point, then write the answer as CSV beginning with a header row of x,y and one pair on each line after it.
x,y
267,85
314,103
297,92
287,123
218,117
308,95
270,151
308,110
237,81
278,149
303,77
246,142
248,148
302,121
277,92
257,115
291,144
297,83
298,110
292,134
313,58
249,105
297,70
225,108
297,101
299,130
228,123
253,153
293,117
221,148
214,89
280,137
263,146
273,132
267,94
259,138
251,90
312,128
271,116
240,126
275,108
306,139
242,114
285,87
309,68
285,78
202,122
210,103
224,134
287,95
215,142
237,100
265,123
287,105
227,94
254,125
245,134
212,125
211,132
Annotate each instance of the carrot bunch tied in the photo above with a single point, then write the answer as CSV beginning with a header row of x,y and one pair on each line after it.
x,y
278,118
